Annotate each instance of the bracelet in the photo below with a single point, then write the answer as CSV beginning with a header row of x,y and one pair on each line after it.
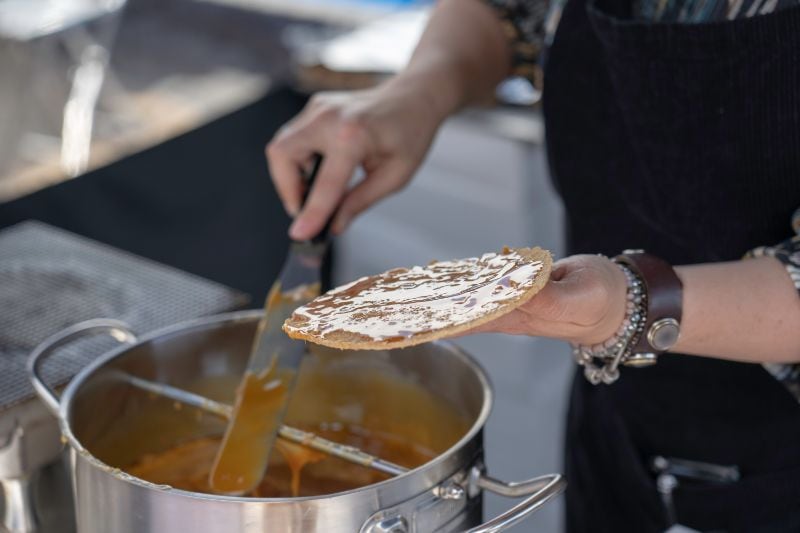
x,y
601,361
664,291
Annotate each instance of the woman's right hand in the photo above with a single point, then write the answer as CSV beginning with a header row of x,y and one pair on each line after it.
x,y
386,130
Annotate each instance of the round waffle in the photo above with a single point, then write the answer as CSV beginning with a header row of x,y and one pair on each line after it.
x,y
407,306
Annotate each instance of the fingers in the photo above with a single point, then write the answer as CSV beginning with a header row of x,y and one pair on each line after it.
x,y
287,154
573,289
522,321
582,302
375,129
286,177
377,185
320,128
585,305
328,190
512,323
560,269
293,147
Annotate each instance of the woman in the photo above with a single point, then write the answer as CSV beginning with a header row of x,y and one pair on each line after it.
x,y
680,139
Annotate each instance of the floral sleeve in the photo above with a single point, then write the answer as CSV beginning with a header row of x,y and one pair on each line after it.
x,y
788,253
525,23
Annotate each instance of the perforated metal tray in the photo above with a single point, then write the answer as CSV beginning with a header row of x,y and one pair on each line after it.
x,y
51,278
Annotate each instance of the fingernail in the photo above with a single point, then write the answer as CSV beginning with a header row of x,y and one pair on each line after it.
x,y
292,210
298,229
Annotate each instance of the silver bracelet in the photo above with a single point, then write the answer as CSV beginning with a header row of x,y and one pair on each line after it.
x,y
601,361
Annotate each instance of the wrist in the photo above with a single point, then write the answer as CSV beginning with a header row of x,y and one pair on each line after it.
x,y
614,311
664,291
433,86
601,360
651,326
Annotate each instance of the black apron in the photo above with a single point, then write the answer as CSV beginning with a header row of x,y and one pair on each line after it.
x,y
683,140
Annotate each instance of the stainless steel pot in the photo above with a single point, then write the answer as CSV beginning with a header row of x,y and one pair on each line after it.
x,y
443,495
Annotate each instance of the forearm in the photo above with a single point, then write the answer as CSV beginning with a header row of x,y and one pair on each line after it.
x,y
461,57
746,311
743,311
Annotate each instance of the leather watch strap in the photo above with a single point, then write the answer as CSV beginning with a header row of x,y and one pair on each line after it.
x,y
664,300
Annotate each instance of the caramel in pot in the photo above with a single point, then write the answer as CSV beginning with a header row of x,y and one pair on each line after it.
x,y
384,415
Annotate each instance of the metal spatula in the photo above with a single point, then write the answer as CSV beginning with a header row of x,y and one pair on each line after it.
x,y
265,389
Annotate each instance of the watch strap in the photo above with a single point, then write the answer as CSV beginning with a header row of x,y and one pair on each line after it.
x,y
664,300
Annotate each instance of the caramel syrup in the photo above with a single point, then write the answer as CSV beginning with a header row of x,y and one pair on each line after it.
x,y
259,401
346,398
296,470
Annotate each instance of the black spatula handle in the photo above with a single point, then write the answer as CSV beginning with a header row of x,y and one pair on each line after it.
x,y
309,178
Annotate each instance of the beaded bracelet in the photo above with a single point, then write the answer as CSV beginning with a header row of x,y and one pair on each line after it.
x,y
601,361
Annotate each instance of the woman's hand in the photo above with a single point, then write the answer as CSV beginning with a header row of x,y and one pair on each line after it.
x,y
584,302
387,131
460,58
740,310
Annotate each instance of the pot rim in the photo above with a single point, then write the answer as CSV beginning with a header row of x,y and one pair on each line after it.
x,y
81,377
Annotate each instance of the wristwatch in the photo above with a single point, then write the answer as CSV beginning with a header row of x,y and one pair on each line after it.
x,y
664,306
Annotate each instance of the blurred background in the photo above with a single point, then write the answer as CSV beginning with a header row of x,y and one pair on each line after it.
x,y
142,124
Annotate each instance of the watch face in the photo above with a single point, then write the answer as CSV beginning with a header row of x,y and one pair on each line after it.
x,y
663,334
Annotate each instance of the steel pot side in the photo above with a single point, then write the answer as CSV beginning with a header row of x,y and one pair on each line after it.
x,y
368,509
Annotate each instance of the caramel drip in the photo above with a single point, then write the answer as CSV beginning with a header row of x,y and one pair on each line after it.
x,y
296,458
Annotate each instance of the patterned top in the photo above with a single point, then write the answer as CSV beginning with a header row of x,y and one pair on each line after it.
x,y
527,25
531,24
788,253
698,11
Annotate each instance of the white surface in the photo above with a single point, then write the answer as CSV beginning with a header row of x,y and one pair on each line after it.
x,y
28,19
336,12
476,193
384,45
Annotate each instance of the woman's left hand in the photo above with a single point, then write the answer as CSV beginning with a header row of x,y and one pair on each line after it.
x,y
584,302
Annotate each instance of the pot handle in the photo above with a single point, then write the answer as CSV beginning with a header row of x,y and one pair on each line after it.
x,y
539,490
117,329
